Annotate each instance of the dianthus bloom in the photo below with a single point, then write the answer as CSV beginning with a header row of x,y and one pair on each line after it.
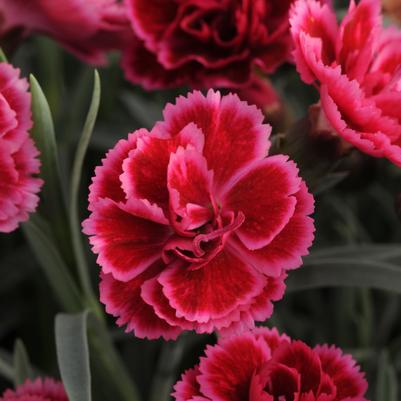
x,y
205,43
264,366
37,390
87,28
194,227
18,155
356,67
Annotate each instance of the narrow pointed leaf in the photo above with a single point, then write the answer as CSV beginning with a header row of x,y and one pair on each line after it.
x,y
73,355
74,188
39,237
334,272
22,365
52,194
6,367
3,57
386,387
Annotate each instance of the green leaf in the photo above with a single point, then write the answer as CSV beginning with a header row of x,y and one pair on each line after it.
x,y
52,193
73,355
3,57
333,272
22,366
39,237
387,386
74,188
74,332
6,367
369,252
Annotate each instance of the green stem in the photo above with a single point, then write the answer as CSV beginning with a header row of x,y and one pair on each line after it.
x,y
112,369
164,378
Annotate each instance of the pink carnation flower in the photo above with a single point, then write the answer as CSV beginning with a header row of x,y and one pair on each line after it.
x,y
37,390
265,366
18,155
205,43
356,67
88,28
194,227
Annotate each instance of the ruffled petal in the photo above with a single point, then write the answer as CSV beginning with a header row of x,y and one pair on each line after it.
x,y
357,37
285,251
141,66
123,300
128,237
152,294
356,118
343,371
264,193
227,369
272,337
212,291
187,387
313,19
234,133
189,183
106,182
259,308
145,169
300,357
151,19
14,91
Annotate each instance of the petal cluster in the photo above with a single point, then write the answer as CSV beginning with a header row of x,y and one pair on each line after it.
x,y
38,390
194,227
356,67
205,43
18,155
263,365
87,28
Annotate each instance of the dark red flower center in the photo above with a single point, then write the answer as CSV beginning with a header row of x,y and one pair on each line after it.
x,y
200,245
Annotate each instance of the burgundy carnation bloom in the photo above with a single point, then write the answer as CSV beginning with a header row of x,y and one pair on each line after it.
x,y
38,390
87,28
264,366
205,43
18,155
356,67
194,227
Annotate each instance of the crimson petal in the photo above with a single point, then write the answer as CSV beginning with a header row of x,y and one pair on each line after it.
x,y
189,183
264,193
227,370
128,238
234,133
106,182
285,251
123,300
145,169
343,371
213,291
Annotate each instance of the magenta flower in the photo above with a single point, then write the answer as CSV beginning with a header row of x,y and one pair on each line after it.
x,y
356,67
18,155
37,390
87,28
265,366
205,43
194,227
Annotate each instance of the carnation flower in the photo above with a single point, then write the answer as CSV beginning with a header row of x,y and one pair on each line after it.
x,y
38,390
194,227
87,28
18,155
205,43
263,365
356,67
